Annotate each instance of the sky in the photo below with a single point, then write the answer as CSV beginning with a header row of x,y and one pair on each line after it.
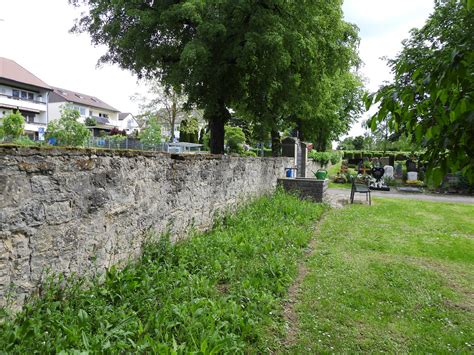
x,y
35,34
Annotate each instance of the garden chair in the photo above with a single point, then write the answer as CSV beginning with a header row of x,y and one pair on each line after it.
x,y
362,187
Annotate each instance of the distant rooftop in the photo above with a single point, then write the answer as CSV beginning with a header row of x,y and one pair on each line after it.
x,y
11,70
83,99
124,115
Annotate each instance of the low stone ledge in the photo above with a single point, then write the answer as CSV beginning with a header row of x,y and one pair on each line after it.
x,y
306,188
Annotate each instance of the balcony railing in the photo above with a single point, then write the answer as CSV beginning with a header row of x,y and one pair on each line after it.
x,y
23,99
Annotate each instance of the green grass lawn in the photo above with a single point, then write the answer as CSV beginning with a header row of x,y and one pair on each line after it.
x,y
394,277
220,291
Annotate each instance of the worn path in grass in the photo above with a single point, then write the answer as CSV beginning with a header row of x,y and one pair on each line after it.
x,y
394,277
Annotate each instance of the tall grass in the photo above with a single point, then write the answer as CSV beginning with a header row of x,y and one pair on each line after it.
x,y
217,291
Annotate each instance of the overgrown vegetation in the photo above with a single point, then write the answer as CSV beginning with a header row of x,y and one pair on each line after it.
x,y
431,99
68,130
151,134
325,157
12,125
216,292
360,154
396,277
234,139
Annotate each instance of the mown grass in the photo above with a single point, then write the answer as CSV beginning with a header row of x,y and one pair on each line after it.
x,y
394,277
220,291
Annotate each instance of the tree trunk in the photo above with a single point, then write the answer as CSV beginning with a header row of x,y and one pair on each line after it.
x,y
276,143
217,116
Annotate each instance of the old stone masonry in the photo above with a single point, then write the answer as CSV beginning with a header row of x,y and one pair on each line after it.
x,y
78,211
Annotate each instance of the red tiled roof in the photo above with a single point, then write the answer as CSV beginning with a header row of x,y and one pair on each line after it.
x,y
11,70
83,99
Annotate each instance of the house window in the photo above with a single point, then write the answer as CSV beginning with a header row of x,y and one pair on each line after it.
x,y
104,115
31,96
82,110
24,95
16,93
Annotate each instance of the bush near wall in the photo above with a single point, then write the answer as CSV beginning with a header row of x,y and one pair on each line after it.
x,y
325,157
360,154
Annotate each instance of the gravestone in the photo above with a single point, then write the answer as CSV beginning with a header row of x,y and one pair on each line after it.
x,y
412,175
398,171
388,172
411,166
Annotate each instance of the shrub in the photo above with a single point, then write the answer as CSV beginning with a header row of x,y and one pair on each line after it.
x,y
24,141
151,135
13,125
248,153
67,130
90,122
234,139
325,157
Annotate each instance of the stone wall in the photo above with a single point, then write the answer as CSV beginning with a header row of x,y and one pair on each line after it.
x,y
313,166
306,188
76,211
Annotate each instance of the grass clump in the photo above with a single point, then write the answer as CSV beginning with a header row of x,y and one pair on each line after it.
x,y
219,291
396,277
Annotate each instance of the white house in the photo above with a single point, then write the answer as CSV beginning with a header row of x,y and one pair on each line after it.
x,y
127,122
21,90
106,116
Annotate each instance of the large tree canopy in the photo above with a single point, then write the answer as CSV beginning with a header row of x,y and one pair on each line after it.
x,y
432,96
264,56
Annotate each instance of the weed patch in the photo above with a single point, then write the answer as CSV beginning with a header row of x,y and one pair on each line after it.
x,y
219,291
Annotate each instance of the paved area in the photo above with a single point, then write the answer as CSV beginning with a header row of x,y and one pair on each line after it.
x,y
337,198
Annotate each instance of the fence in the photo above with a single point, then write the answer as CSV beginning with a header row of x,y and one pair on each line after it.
x,y
117,143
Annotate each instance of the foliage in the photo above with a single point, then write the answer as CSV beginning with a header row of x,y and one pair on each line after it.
x,y
358,143
218,292
432,96
13,125
359,154
249,153
339,106
116,140
90,122
386,280
67,130
117,132
325,157
234,139
151,134
24,141
274,60
166,104
189,130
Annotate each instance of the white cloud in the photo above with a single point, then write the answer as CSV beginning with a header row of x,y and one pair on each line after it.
x,y
383,26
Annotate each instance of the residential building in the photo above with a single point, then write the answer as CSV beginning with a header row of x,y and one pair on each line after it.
x,y
23,91
128,123
106,116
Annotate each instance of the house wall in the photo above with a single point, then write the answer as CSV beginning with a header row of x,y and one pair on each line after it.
x,y
56,107
54,110
36,107
85,210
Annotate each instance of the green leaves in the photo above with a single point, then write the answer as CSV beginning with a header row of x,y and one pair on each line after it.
x,y
432,95
217,292
67,130
13,125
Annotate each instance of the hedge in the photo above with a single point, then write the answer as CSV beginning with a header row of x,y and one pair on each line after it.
x,y
360,154
325,157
